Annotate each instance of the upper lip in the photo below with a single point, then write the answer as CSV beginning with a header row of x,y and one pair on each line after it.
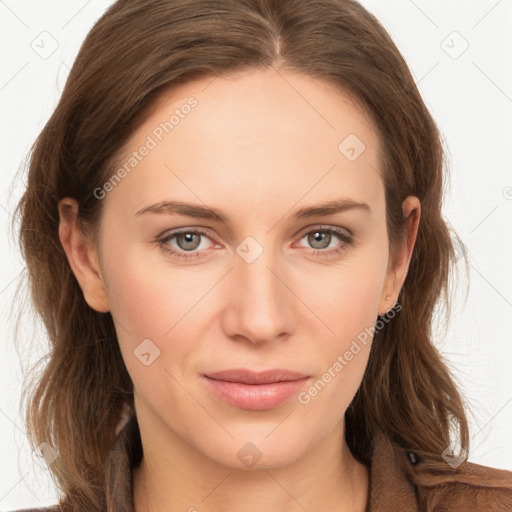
x,y
246,376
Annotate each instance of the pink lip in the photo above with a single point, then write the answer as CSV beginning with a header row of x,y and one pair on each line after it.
x,y
255,390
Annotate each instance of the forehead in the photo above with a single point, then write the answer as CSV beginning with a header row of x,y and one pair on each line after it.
x,y
256,133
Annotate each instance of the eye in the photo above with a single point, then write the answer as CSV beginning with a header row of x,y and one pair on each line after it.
x,y
323,240
187,241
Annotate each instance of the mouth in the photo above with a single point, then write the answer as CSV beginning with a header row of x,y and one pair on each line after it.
x,y
245,376
247,389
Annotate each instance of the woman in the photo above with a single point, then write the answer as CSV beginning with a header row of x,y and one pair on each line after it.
x,y
233,231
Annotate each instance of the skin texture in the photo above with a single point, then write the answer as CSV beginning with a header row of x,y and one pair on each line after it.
x,y
258,145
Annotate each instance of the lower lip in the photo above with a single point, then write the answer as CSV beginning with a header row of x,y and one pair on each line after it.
x,y
255,397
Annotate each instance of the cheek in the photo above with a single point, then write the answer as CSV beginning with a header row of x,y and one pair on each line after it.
x,y
345,302
151,301
144,305
349,309
344,297
146,295
137,302
351,315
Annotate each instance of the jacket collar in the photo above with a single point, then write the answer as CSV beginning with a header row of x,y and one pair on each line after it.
x,y
391,477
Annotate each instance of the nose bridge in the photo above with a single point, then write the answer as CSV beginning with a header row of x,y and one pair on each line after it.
x,y
260,303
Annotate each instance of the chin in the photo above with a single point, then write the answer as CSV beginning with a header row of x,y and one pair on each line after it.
x,y
252,450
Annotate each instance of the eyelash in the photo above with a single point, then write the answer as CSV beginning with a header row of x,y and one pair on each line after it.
x,y
166,237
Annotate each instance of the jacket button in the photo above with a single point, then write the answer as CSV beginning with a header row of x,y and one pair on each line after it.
x,y
413,458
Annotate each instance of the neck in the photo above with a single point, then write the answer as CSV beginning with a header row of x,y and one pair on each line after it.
x,y
174,477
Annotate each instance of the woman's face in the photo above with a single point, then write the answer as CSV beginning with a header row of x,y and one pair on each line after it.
x,y
259,284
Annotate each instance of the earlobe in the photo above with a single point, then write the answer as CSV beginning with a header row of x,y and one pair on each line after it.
x,y
82,256
395,278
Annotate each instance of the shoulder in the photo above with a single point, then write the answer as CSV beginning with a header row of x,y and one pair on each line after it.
x,y
401,481
470,487
52,508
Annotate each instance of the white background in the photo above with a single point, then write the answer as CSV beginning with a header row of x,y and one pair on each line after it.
x,y
471,99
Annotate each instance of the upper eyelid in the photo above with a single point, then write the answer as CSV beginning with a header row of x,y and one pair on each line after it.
x,y
324,227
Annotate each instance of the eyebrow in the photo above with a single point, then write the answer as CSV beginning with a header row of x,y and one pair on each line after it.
x,y
205,212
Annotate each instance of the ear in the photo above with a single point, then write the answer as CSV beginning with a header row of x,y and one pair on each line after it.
x,y
82,256
396,275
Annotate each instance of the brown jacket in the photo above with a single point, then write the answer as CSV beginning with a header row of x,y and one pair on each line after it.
x,y
398,482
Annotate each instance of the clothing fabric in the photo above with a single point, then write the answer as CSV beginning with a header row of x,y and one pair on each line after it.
x,y
398,482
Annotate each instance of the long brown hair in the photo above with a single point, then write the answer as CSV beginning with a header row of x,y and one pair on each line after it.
x,y
136,51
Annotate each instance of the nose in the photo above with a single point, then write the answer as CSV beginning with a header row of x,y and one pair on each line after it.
x,y
261,307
